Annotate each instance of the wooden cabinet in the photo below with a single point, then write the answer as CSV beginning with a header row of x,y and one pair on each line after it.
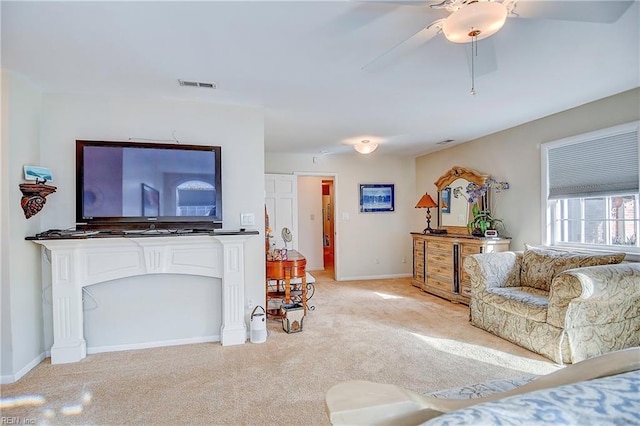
x,y
437,262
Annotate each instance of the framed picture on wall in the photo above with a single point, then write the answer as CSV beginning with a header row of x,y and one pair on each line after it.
x,y
379,197
150,201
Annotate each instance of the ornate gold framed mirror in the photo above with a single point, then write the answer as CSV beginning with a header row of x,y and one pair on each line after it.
x,y
455,212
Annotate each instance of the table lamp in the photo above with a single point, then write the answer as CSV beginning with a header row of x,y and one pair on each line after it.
x,y
426,202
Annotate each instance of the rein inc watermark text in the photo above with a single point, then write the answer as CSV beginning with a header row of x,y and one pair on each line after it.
x,y
8,420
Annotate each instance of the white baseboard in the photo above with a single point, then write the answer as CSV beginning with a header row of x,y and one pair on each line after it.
x,y
157,344
374,277
12,378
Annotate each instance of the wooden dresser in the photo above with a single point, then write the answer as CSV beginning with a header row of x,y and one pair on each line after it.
x,y
437,262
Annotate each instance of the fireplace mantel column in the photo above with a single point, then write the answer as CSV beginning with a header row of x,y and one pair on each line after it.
x,y
233,330
68,316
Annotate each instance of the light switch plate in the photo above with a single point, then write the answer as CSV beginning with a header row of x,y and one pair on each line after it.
x,y
247,219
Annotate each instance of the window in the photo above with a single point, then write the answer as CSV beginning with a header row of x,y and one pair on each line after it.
x,y
611,221
591,190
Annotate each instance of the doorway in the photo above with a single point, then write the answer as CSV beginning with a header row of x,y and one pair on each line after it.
x,y
306,203
328,232
317,207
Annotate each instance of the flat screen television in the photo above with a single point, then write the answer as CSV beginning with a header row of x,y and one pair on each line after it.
x,y
129,185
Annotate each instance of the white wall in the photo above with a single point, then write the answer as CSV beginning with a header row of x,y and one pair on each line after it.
x,y
22,329
310,221
161,307
6,363
513,155
364,238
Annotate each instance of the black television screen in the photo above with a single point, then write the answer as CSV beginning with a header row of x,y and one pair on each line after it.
x,y
128,185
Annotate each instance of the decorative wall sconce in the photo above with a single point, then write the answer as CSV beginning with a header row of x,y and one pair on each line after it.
x,y
33,198
34,194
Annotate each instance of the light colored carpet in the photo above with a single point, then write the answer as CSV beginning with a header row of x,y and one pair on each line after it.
x,y
379,330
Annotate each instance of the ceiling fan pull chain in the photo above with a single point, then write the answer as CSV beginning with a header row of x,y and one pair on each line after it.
x,y
474,52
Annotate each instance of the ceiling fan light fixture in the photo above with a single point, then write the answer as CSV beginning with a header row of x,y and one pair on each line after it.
x,y
479,19
365,147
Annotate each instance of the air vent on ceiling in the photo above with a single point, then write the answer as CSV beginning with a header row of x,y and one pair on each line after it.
x,y
204,85
444,142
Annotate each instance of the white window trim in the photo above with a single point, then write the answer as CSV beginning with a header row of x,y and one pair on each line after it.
x,y
544,185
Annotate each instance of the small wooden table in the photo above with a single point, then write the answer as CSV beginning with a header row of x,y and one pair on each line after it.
x,y
282,271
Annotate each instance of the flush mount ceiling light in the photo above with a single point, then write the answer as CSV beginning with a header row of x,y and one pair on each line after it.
x,y
365,147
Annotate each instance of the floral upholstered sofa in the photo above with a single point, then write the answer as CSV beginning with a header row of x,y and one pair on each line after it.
x,y
566,306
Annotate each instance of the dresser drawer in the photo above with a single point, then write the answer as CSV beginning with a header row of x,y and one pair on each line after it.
x,y
418,270
468,249
465,290
438,257
444,270
440,246
442,284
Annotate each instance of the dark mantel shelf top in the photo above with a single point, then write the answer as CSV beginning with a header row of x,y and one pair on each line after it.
x,y
67,234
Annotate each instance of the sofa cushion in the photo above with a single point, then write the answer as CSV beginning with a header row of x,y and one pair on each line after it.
x,y
527,302
541,264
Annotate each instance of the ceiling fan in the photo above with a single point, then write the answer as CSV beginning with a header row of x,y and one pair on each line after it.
x,y
470,21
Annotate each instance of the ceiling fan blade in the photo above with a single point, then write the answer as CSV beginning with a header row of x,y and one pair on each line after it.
x,y
575,10
484,58
395,2
405,47
359,15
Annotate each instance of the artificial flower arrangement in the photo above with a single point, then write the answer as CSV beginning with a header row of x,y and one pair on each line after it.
x,y
483,220
272,252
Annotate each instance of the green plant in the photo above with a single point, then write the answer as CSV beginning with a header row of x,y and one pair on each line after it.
x,y
482,220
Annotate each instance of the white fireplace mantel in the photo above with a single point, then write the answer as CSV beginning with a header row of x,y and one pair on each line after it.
x,y
77,263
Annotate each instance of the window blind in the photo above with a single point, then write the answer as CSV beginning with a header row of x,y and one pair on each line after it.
x,y
605,165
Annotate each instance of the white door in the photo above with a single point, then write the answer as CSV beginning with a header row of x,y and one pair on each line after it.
x,y
282,207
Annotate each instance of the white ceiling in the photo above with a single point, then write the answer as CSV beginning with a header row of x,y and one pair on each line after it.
x,y
302,62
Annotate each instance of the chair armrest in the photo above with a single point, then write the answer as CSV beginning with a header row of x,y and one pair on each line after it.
x,y
597,294
609,281
501,269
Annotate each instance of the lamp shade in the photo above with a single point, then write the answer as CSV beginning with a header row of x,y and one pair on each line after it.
x,y
426,202
365,147
479,19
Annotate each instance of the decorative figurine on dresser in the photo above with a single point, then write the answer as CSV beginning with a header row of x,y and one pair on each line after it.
x,y
438,254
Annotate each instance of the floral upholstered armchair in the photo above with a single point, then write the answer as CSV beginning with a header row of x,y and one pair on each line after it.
x,y
566,306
